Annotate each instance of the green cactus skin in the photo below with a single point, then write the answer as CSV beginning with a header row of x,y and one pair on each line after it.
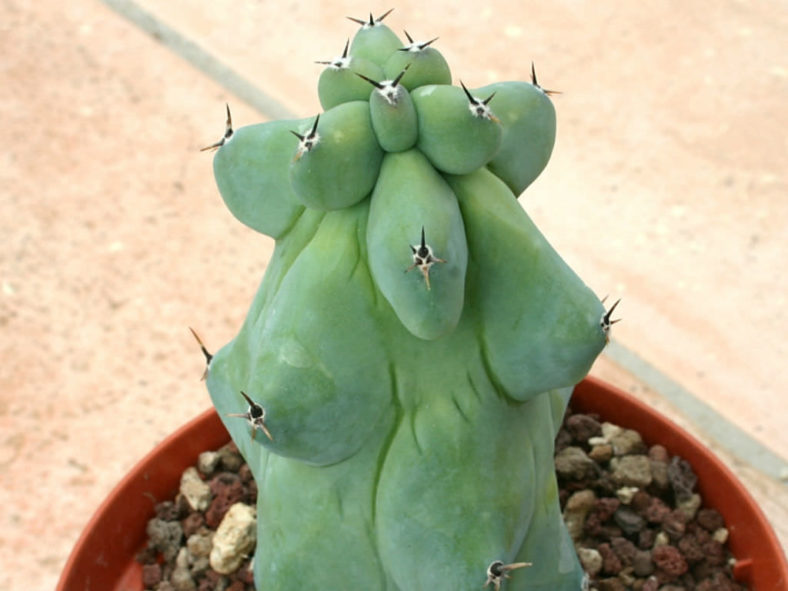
x,y
411,408
394,119
251,171
528,118
339,81
342,167
552,342
410,195
455,140
426,65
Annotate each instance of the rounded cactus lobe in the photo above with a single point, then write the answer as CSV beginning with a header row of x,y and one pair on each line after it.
x,y
394,119
455,139
341,167
549,335
314,359
374,42
529,125
425,66
341,84
251,171
408,197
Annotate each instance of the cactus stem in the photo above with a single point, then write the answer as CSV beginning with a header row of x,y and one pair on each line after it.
x,y
255,415
423,258
414,46
535,83
228,133
478,107
307,142
372,21
498,571
208,356
606,322
338,62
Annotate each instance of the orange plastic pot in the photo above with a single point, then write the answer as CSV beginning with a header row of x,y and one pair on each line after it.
x,y
104,556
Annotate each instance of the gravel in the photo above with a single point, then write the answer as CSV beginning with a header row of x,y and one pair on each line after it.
x,y
633,512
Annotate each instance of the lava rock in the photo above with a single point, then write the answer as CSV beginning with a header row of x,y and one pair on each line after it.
x,y
227,489
669,562
628,520
583,427
710,519
682,478
642,565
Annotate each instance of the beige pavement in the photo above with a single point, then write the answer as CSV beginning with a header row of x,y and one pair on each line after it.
x,y
667,188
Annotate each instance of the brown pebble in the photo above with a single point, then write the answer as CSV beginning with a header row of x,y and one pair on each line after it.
x,y
583,427
624,549
193,522
674,524
646,539
656,511
710,519
167,511
714,553
682,478
669,562
642,565
601,453
658,453
611,565
151,575
227,490
611,584
628,520
717,581
691,548
640,501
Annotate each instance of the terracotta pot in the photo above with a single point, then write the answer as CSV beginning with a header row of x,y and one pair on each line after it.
x,y
103,557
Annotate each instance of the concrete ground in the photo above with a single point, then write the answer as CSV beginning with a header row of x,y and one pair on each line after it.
x,y
667,188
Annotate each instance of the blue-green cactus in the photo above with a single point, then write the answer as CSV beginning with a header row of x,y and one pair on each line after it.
x,y
410,353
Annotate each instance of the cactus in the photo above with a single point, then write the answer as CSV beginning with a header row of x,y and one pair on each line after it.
x,y
407,360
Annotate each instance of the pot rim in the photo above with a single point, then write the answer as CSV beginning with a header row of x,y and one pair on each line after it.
x,y
104,554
